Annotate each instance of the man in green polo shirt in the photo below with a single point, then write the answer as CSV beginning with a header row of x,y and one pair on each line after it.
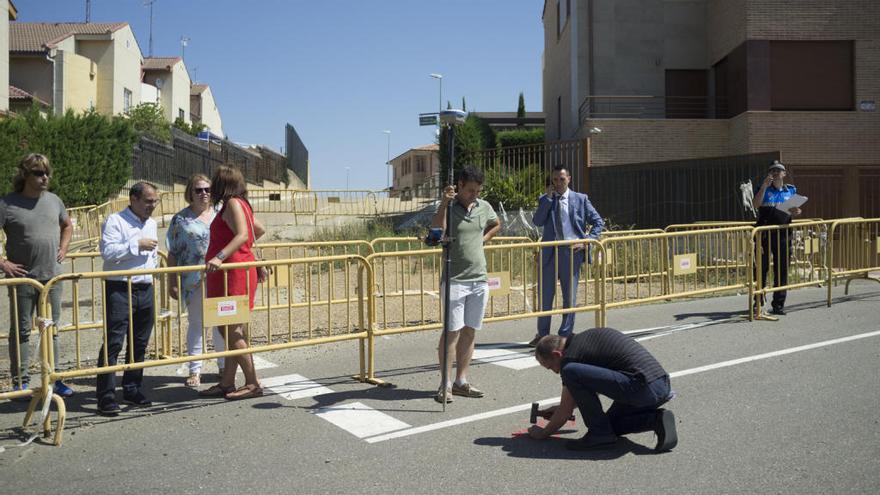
x,y
473,223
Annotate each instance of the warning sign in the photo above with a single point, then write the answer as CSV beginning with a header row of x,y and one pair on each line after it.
x,y
229,310
684,264
499,283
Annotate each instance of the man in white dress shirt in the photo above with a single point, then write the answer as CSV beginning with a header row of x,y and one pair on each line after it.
x,y
129,240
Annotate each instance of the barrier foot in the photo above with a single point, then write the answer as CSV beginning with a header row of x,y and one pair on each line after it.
x,y
372,381
850,279
32,406
59,423
765,317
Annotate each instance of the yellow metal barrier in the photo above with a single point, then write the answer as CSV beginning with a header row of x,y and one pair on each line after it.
x,y
407,295
16,287
606,234
305,302
853,251
393,244
795,254
662,266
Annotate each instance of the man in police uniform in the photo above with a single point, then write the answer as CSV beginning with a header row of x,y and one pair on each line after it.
x,y
773,192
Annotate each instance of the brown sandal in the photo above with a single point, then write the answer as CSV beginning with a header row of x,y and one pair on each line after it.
x,y
245,392
216,391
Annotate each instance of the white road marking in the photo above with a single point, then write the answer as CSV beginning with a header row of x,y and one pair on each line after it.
x,y
555,400
504,357
292,387
360,420
262,364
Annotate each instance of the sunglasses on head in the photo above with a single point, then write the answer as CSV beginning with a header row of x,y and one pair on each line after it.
x,y
202,190
39,173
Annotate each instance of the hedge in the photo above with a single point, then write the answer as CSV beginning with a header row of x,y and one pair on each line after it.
x,y
90,153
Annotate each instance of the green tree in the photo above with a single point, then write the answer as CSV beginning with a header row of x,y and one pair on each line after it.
x,y
470,138
91,154
192,129
149,120
521,107
463,105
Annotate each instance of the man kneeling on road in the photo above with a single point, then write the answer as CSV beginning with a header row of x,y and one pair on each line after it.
x,y
605,361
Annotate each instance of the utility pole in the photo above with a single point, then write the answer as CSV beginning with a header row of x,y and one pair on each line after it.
x,y
88,11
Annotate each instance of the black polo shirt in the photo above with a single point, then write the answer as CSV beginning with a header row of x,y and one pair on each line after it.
x,y
607,348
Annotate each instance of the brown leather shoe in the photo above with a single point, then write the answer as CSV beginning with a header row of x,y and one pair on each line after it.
x,y
216,390
246,392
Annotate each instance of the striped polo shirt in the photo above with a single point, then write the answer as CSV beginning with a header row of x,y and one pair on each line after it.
x,y
607,348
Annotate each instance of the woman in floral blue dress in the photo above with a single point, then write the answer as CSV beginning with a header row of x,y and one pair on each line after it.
x,y
187,241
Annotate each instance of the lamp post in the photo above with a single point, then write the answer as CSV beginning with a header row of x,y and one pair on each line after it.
x,y
439,78
388,159
347,169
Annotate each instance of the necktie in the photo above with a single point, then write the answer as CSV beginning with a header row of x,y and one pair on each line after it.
x,y
557,218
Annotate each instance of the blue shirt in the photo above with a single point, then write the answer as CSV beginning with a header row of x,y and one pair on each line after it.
x,y
187,240
773,196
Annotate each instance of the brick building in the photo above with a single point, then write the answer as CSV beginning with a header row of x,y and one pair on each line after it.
x,y
686,79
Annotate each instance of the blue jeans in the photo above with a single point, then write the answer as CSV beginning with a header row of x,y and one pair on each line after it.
x,y
26,299
635,403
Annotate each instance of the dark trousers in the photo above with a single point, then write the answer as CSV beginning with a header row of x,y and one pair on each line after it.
x,y
23,303
116,301
635,405
776,243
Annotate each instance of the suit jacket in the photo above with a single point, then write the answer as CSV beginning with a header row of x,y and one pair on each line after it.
x,y
581,214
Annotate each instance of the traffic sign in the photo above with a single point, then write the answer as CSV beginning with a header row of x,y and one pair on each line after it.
x,y
427,119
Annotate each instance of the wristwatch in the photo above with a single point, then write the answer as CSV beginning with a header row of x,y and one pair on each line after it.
x,y
221,256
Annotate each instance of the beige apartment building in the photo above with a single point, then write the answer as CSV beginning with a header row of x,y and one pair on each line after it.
x,y
7,13
660,80
170,77
77,66
416,172
203,109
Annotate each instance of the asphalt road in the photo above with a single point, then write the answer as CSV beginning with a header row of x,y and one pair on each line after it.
x,y
798,416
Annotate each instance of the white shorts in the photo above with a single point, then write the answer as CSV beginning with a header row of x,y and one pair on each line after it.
x,y
467,303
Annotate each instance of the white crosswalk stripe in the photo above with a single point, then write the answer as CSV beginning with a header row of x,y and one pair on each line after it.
x,y
292,387
360,420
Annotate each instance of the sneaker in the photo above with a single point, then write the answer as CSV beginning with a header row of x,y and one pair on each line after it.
x,y
777,310
667,438
591,441
534,341
109,408
137,399
439,396
61,389
466,390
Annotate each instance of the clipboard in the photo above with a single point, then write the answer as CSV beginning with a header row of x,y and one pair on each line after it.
x,y
795,201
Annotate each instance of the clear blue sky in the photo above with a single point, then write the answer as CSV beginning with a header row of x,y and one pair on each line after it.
x,y
340,71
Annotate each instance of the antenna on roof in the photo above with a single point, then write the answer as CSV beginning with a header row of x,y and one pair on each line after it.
x,y
88,11
150,3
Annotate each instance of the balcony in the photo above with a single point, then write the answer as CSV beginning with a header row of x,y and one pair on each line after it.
x,y
651,107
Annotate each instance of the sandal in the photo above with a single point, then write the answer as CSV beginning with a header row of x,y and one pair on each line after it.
x,y
246,392
216,391
194,380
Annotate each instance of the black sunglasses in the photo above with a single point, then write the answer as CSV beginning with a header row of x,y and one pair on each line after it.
x,y
39,173
200,190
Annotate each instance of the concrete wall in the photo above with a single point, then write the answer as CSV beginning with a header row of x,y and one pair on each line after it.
x,y
149,93
176,93
4,55
127,62
79,82
210,113
557,76
101,52
33,74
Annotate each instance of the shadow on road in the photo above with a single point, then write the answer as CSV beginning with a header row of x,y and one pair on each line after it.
x,y
554,448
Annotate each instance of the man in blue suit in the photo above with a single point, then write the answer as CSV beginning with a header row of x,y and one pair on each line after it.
x,y
565,215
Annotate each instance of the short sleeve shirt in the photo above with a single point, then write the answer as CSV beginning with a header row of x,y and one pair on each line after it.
x,y
33,232
187,240
467,228
767,213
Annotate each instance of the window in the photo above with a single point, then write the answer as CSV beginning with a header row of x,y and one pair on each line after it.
x,y
180,114
126,100
812,75
420,164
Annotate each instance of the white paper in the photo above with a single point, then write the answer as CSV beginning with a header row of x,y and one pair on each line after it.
x,y
795,201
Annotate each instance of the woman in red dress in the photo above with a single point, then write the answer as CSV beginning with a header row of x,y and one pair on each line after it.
x,y
233,233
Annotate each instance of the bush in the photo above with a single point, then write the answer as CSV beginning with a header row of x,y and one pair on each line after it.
x,y
90,153
148,120
519,189
192,129
520,137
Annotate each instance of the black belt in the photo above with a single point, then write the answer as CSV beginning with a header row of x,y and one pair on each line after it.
x,y
118,284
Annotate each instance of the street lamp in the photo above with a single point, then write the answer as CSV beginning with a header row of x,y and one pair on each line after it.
x,y
439,78
347,169
388,159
